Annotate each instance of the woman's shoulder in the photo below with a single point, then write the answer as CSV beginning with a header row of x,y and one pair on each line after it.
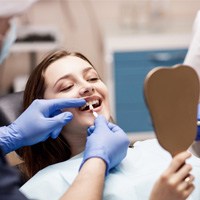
x,y
149,143
150,149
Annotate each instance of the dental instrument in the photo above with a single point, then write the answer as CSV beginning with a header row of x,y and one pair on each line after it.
x,y
93,112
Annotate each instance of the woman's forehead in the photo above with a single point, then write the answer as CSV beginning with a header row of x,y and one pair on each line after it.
x,y
67,65
70,60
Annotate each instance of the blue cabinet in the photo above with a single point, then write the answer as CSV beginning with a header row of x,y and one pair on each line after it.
x,y
130,70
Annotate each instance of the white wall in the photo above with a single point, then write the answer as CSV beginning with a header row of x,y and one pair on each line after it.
x,y
83,24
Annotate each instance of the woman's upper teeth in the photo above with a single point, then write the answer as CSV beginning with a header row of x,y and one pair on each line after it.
x,y
90,103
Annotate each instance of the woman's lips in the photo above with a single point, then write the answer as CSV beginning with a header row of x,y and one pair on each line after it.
x,y
97,109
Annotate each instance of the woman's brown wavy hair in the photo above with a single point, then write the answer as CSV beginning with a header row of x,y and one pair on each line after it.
x,y
43,154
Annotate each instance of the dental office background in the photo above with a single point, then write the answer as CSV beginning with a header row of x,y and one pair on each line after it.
x,y
124,39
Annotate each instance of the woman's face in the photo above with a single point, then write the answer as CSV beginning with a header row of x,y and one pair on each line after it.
x,y
73,77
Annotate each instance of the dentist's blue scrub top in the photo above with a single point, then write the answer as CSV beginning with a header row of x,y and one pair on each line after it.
x,y
9,182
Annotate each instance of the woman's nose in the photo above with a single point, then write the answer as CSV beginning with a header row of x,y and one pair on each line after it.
x,y
87,90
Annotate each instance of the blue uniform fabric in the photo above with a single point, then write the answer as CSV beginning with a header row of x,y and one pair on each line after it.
x,y
9,182
198,128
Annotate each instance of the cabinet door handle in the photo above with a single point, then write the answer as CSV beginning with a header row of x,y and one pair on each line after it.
x,y
166,57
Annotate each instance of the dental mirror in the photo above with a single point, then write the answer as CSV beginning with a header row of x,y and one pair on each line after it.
x,y
172,98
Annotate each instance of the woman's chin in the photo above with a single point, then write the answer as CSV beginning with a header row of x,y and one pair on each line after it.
x,y
90,122
88,119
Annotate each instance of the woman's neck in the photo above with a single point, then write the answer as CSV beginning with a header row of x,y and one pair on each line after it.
x,y
76,141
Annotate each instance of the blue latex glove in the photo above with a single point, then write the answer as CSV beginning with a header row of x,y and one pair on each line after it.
x,y
106,141
41,120
198,127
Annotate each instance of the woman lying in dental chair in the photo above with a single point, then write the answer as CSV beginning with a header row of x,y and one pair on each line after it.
x,y
71,75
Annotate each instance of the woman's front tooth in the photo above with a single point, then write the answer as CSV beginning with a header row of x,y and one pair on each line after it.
x,y
95,101
84,106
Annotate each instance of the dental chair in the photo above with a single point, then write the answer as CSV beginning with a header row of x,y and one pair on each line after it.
x,y
10,109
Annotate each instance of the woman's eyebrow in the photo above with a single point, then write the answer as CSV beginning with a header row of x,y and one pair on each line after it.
x,y
63,77
87,69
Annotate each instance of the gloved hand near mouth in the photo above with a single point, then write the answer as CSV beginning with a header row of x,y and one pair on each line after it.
x,y
106,141
41,120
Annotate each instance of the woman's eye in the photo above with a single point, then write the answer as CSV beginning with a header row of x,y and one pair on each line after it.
x,y
66,88
93,79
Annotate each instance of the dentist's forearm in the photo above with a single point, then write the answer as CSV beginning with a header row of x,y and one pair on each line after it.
x,y
89,183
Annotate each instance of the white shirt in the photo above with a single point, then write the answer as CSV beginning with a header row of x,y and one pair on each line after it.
x,y
132,179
